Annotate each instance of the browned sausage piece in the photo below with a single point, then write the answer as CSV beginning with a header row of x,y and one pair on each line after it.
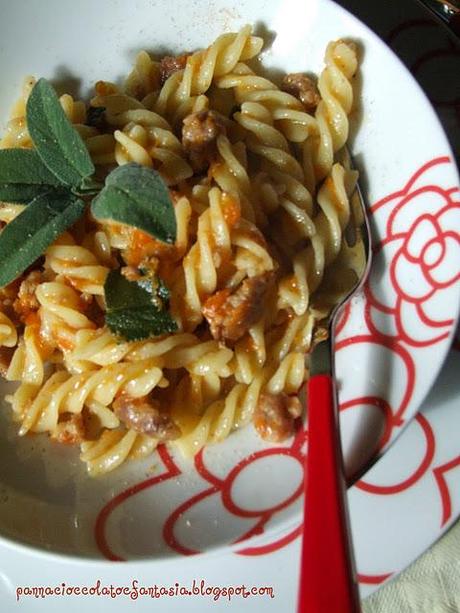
x,y
303,88
143,415
71,432
199,135
230,315
171,64
274,416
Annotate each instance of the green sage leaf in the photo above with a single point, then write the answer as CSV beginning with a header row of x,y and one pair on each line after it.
x,y
135,310
25,238
57,142
23,176
137,196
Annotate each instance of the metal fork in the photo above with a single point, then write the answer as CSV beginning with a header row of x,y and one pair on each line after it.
x,y
327,579
447,10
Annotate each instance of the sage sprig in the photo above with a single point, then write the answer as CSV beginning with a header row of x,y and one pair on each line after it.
x,y
55,181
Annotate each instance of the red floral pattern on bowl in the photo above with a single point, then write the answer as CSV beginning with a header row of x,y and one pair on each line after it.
x,y
424,249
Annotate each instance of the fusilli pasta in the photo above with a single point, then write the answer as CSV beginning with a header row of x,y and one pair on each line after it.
x,y
262,200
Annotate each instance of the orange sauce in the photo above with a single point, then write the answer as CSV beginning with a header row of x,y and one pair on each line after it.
x,y
216,301
231,209
64,343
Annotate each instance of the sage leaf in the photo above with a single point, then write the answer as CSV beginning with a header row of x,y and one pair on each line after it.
x,y
57,142
25,238
23,176
88,187
137,196
135,309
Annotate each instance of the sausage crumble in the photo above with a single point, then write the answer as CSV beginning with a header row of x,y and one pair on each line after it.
x,y
275,414
303,88
199,136
170,64
231,314
143,415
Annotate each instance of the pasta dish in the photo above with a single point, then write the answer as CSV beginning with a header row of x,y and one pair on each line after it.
x,y
260,199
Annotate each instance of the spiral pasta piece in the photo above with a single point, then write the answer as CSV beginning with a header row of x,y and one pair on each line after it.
x,y
113,102
108,452
285,109
296,336
101,147
182,87
250,354
74,109
96,347
17,134
61,313
63,302
230,174
309,264
334,203
64,393
213,244
221,417
27,363
144,77
185,351
264,116
152,146
221,233
8,211
289,375
78,266
8,332
332,113
268,142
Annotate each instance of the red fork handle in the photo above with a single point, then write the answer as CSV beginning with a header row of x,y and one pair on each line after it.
x,y
327,578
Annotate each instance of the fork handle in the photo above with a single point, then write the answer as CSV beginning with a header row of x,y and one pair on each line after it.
x,y
327,578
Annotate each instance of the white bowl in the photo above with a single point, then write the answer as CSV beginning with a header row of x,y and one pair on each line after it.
x,y
391,342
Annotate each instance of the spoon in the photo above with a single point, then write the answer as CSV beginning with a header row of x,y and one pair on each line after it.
x,y
328,580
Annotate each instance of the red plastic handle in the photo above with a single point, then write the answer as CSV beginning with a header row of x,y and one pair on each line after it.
x,y
327,578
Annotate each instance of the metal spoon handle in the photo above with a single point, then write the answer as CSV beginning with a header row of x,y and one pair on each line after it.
x,y
447,10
